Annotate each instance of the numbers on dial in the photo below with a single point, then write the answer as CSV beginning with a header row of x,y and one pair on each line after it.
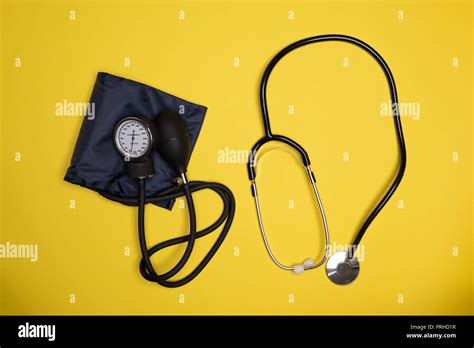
x,y
132,138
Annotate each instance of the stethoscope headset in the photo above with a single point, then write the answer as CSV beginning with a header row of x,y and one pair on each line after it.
x,y
342,267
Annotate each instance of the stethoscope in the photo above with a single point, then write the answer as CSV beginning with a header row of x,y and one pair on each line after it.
x,y
342,267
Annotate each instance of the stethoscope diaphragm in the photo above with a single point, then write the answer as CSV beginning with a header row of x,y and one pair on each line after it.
x,y
341,269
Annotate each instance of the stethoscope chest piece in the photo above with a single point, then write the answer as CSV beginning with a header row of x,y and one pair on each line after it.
x,y
342,270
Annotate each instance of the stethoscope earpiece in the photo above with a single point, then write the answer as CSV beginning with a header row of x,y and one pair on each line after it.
x,y
307,264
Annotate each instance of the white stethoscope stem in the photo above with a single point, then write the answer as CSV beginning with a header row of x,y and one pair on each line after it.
x,y
307,265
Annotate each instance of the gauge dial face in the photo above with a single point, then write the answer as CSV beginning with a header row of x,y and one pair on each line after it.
x,y
132,138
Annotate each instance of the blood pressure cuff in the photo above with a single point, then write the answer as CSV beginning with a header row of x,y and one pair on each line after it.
x,y
96,164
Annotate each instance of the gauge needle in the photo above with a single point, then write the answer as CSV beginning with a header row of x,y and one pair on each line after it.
x,y
133,138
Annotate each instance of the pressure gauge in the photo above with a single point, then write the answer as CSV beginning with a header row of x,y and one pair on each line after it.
x,y
133,137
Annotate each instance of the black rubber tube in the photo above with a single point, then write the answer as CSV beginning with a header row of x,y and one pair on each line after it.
x,y
396,118
146,267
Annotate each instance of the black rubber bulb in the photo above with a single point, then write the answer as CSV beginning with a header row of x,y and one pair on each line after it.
x,y
174,144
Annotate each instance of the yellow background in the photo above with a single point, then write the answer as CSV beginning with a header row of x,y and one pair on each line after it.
x,y
408,251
